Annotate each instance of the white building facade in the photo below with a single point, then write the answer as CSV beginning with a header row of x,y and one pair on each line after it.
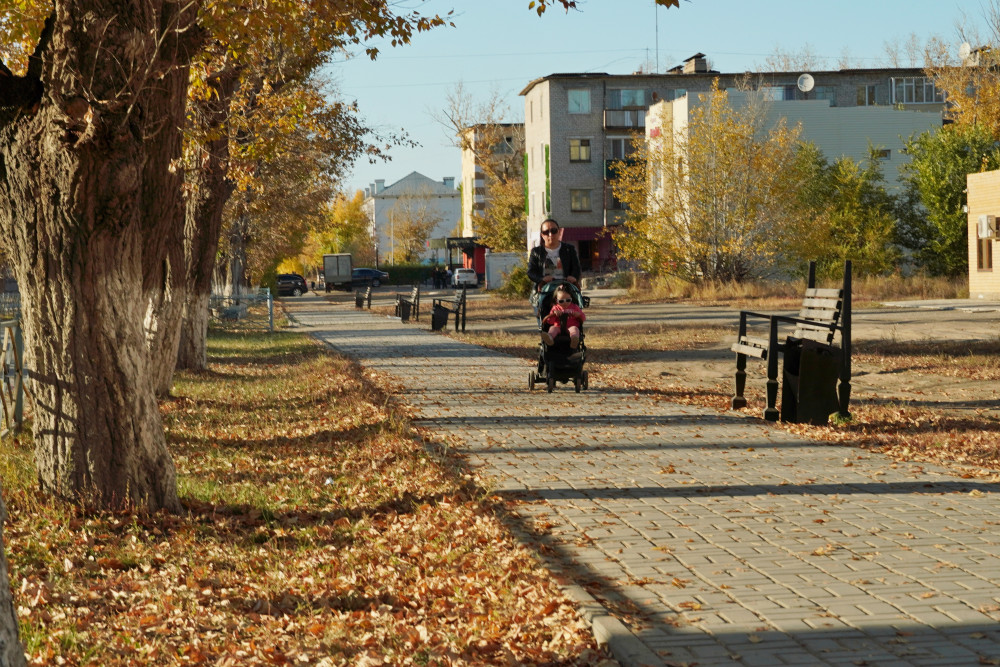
x,y
414,194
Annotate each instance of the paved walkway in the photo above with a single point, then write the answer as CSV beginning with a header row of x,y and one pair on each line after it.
x,y
717,539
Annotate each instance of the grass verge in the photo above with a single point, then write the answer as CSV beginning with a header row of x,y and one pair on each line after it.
x,y
318,530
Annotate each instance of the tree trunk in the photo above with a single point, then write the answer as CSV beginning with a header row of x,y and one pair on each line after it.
x,y
238,253
209,189
11,652
73,191
192,353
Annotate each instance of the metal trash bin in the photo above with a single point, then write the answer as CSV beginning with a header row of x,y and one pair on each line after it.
x,y
439,317
359,300
403,310
809,389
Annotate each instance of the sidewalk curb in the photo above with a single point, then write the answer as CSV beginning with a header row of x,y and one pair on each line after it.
x,y
623,645
608,631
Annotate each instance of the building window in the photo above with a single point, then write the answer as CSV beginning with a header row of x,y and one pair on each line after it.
x,y
825,93
620,148
778,93
579,150
984,255
579,200
627,98
914,90
883,153
579,100
866,96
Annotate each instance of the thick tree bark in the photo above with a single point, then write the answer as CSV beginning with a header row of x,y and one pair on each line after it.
x,y
11,652
74,185
209,189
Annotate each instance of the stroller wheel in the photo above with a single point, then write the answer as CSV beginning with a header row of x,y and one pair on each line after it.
x,y
577,383
584,379
550,383
531,380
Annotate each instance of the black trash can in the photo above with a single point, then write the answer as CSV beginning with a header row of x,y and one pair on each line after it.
x,y
809,390
439,317
359,300
403,310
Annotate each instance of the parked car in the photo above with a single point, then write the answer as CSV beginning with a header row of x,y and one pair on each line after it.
x,y
364,277
291,284
467,277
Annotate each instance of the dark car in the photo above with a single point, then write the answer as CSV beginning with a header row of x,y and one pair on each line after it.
x,y
364,277
291,284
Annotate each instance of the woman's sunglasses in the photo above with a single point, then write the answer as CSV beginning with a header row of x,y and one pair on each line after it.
x,y
550,231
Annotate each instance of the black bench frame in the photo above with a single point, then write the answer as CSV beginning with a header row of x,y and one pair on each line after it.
x,y
824,312
361,297
412,300
454,304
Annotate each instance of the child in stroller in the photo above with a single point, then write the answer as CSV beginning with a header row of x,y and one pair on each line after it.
x,y
562,359
564,315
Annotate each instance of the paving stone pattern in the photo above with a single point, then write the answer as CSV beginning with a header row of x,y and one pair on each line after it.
x,y
716,538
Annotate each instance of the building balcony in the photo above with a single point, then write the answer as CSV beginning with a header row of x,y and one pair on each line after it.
x,y
611,167
624,119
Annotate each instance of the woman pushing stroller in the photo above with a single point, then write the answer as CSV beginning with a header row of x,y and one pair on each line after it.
x,y
555,269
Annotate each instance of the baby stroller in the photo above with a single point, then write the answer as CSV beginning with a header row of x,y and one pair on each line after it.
x,y
559,362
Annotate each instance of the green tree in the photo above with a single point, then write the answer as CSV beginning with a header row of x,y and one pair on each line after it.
x,y
850,215
861,219
715,201
936,178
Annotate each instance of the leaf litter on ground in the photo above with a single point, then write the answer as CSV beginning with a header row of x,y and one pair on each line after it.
x,y
319,529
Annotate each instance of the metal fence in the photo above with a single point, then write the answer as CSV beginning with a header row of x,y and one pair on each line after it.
x,y
242,311
10,305
12,376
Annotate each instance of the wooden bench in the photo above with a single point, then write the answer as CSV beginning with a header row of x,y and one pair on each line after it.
x,y
445,306
361,298
408,304
809,352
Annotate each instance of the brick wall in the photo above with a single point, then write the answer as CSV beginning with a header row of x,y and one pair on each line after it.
x,y
983,198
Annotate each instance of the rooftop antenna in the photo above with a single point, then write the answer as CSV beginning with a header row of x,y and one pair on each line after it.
x,y
656,23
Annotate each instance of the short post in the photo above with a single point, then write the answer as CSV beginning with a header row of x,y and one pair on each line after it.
x,y
19,369
463,310
270,312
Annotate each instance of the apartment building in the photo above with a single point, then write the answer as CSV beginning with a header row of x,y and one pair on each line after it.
x,y
578,124
503,143
413,196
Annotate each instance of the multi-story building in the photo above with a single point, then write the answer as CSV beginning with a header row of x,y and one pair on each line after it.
x,y
503,142
577,125
414,196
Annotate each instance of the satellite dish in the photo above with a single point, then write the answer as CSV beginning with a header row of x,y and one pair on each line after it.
x,y
805,82
965,50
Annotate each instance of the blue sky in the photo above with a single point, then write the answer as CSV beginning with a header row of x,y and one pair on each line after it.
x,y
500,45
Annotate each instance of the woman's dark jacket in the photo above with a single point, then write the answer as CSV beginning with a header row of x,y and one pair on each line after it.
x,y
567,255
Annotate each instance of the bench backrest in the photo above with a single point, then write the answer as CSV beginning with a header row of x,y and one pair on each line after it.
x,y
824,307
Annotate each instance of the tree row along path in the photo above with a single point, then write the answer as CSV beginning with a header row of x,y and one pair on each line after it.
x,y
717,539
